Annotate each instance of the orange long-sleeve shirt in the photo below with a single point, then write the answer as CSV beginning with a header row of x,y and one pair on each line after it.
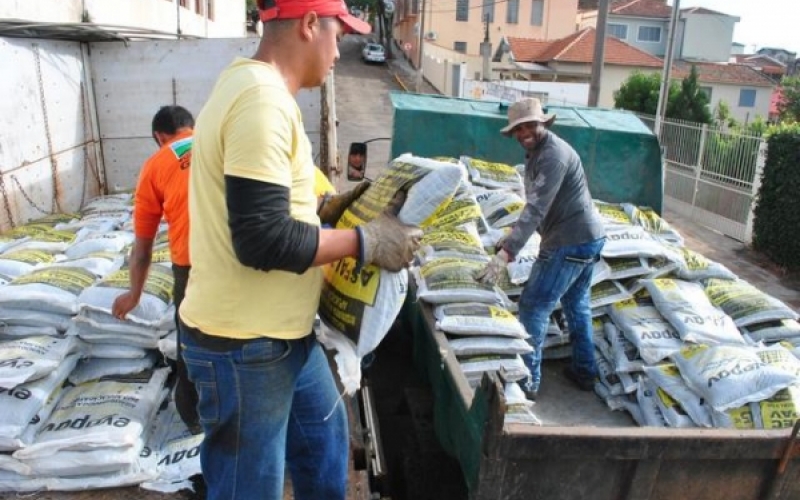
x,y
163,191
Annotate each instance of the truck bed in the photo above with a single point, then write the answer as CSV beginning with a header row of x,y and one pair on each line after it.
x,y
584,450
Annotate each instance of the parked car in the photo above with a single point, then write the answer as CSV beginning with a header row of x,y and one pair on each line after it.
x,y
373,52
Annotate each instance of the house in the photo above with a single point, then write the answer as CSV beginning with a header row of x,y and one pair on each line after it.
x,y
746,90
702,34
459,25
785,56
772,68
198,18
569,60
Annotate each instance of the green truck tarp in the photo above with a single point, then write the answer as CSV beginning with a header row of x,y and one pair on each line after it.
x,y
621,156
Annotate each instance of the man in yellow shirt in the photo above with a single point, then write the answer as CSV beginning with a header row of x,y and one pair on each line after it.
x,y
267,397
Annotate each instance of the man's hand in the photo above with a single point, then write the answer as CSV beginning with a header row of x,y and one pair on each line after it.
x,y
124,304
493,271
334,206
387,242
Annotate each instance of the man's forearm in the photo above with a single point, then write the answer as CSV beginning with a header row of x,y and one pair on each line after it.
x,y
139,265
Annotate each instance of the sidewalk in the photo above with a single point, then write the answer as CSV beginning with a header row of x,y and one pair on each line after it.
x,y
406,74
748,264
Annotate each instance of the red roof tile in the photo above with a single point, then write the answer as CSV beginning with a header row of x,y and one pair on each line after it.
x,y
731,74
641,8
579,48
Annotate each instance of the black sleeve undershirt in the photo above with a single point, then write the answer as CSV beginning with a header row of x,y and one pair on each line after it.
x,y
265,236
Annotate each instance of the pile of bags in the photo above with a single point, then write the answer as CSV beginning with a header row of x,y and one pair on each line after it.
x,y
86,401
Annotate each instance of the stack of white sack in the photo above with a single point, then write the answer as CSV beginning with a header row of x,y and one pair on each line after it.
x,y
95,435
152,319
32,371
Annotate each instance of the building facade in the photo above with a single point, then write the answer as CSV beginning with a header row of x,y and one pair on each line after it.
x,y
197,18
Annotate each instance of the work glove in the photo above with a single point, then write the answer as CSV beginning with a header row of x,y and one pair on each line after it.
x,y
333,206
387,242
491,274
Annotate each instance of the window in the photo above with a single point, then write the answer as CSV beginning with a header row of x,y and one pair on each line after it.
x,y
649,34
183,3
618,31
198,6
460,47
747,98
210,14
415,7
537,12
488,10
707,92
462,10
512,11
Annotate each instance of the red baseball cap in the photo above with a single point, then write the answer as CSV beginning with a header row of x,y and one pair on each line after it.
x,y
295,9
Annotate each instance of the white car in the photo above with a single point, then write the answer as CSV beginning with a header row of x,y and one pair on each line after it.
x,y
373,52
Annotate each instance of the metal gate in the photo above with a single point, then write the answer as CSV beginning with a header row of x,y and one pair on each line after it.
x,y
712,175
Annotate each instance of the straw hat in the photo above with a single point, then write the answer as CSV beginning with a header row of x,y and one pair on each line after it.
x,y
526,110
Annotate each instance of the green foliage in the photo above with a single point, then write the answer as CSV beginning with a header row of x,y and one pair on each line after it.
x,y
789,107
639,93
691,103
777,212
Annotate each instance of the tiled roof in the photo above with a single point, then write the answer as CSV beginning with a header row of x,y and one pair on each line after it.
x,y
579,48
641,8
730,74
762,62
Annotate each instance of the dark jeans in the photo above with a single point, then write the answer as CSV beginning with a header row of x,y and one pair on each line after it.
x,y
185,393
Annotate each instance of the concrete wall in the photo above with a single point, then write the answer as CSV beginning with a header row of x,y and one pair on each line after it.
x,y
438,67
227,16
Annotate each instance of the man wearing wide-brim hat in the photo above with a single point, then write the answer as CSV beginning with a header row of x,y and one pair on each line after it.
x,y
558,206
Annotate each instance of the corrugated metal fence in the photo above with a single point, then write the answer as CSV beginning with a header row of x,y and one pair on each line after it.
x,y
712,174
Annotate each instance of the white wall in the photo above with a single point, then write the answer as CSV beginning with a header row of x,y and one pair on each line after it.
x,y
161,15
438,63
613,77
707,37
730,94
568,94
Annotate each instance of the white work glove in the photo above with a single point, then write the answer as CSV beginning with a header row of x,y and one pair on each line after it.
x,y
494,270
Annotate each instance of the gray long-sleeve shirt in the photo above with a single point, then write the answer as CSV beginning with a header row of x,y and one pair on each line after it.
x,y
558,203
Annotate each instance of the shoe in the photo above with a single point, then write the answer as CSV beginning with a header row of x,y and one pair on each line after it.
x,y
530,395
583,383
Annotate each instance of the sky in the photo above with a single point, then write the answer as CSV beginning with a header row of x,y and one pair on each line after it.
x,y
763,23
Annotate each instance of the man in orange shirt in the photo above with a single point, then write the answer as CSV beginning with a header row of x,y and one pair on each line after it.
x,y
163,191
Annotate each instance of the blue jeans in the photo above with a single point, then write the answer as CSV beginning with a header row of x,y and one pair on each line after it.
x,y
563,274
266,404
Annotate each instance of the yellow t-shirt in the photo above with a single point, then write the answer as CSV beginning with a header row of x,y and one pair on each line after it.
x,y
250,127
322,185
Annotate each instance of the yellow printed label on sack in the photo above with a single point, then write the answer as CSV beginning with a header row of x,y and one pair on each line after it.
x,y
780,411
70,279
30,256
450,236
742,417
53,219
625,304
493,170
665,284
432,220
693,350
458,212
162,255
501,314
361,286
613,213
694,261
159,282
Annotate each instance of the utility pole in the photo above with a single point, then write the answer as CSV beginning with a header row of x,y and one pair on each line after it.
x,y
599,53
420,43
486,50
663,93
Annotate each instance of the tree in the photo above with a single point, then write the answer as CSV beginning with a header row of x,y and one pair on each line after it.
x,y
691,103
639,93
789,105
